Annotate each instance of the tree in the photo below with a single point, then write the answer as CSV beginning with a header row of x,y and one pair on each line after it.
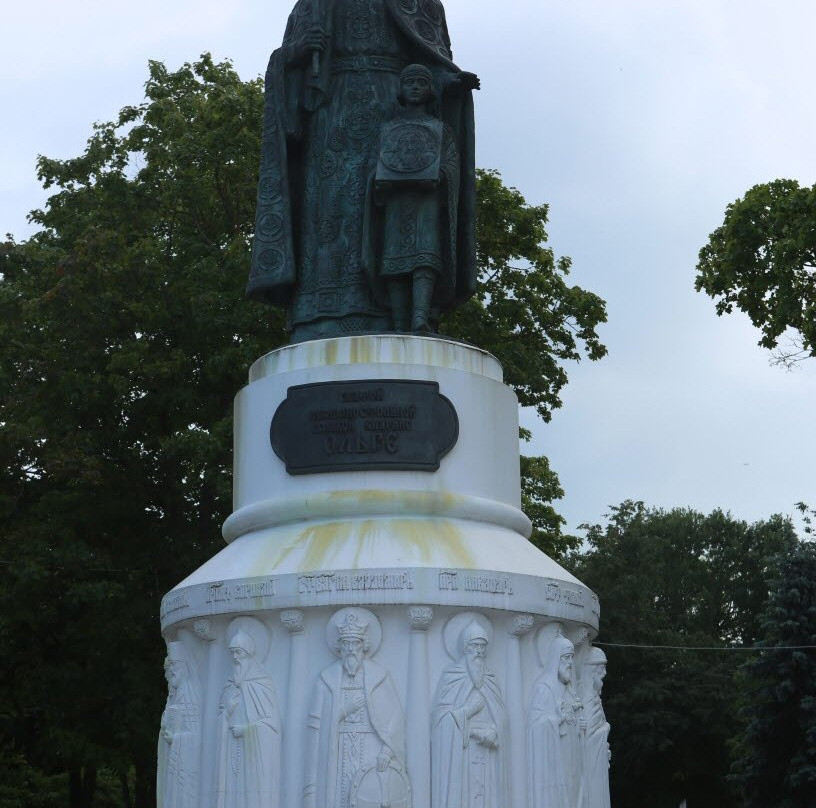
x,y
126,336
539,489
775,755
685,579
762,260
808,516
524,312
23,786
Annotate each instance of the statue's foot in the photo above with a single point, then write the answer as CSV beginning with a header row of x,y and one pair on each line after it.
x,y
420,325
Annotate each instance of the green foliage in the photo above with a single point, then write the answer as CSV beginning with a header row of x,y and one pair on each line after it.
x,y
808,515
125,336
676,578
762,260
775,756
125,339
539,489
23,786
524,312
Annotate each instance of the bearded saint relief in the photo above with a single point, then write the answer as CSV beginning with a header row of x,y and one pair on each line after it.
x,y
180,734
468,738
356,747
249,747
596,742
554,730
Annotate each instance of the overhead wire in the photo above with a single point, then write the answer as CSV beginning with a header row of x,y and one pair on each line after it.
x,y
749,648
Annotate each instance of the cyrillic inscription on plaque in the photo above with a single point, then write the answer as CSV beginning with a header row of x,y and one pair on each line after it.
x,y
364,426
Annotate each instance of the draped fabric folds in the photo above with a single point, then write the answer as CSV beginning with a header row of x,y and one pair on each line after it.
x,y
319,150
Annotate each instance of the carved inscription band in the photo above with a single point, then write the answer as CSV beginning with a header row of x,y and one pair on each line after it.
x,y
468,588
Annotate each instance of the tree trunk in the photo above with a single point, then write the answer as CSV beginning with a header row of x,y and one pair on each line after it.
x,y
145,787
123,779
88,786
81,786
75,788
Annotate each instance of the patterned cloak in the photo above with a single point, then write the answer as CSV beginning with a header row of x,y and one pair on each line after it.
x,y
292,92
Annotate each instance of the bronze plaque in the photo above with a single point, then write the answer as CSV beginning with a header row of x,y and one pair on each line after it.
x,y
410,151
388,425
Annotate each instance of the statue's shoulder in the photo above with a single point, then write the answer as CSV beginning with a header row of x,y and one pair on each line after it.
x,y
374,672
454,670
330,675
425,24
299,18
301,9
543,691
226,692
265,680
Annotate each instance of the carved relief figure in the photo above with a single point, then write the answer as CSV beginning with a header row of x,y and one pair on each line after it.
x,y
553,732
180,734
329,89
412,246
467,727
249,748
356,747
596,750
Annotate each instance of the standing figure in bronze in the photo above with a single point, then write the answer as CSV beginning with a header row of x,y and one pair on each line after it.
x,y
411,249
330,88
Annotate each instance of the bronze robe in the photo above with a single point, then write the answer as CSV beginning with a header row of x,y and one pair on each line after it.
x,y
319,149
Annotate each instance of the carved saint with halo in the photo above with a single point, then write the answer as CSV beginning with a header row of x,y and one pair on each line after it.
x,y
468,737
356,747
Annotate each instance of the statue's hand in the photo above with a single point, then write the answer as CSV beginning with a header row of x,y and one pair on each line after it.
x,y
167,735
231,704
488,738
468,81
491,739
384,759
237,731
314,40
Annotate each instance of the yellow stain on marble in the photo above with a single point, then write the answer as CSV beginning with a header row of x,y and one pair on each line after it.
x,y
361,351
429,538
330,352
434,354
271,558
322,546
320,541
407,539
423,502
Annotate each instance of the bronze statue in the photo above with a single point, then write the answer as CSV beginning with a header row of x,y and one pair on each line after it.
x,y
330,217
413,249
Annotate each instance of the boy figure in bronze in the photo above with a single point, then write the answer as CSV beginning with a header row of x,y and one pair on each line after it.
x,y
417,187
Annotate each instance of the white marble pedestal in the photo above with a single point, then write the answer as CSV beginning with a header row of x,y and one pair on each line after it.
x,y
373,638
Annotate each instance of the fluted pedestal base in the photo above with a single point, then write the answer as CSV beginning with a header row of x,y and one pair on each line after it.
x,y
371,636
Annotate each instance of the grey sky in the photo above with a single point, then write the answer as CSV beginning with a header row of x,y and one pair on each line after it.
x,y
636,120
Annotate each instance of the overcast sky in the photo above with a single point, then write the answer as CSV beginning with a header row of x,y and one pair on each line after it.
x,y
636,120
